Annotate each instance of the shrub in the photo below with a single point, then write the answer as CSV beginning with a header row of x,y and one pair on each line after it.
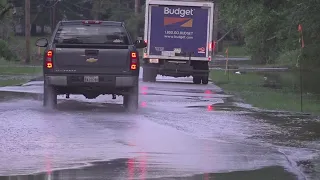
x,y
5,51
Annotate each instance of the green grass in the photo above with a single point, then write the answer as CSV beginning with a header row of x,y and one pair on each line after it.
x,y
18,45
12,82
15,68
21,41
249,88
12,70
234,51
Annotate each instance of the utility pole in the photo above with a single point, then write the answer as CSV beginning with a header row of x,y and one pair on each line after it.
x,y
53,16
27,30
136,6
136,11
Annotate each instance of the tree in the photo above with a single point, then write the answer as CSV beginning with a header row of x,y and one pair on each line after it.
x,y
270,26
5,7
5,19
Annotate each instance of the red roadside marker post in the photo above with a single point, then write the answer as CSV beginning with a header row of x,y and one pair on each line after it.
x,y
299,63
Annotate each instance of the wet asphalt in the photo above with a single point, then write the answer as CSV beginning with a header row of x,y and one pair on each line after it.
x,y
181,131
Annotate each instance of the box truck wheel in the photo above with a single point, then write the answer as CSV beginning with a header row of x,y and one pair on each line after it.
x,y
145,74
199,76
205,79
197,79
149,74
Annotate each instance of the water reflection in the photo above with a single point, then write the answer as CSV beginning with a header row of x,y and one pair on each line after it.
x,y
136,168
103,172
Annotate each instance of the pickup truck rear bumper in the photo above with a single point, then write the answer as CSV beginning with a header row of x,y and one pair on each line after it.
x,y
104,80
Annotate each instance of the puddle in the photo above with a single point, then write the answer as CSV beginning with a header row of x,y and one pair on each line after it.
x,y
229,104
294,130
186,90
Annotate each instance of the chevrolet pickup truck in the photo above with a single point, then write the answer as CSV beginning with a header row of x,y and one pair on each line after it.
x,y
91,58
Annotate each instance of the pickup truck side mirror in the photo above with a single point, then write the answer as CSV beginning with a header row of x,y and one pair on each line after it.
x,y
42,42
140,44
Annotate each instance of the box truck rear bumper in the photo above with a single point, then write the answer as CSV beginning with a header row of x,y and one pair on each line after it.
x,y
176,70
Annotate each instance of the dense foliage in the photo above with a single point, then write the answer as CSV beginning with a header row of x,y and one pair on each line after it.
x,y
267,28
270,28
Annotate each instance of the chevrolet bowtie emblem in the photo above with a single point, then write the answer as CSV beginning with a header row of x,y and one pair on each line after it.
x,y
92,60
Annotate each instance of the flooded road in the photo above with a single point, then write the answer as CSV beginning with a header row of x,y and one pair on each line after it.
x,y
181,131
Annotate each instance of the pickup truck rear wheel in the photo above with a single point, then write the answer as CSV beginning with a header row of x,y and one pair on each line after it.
x,y
49,96
131,100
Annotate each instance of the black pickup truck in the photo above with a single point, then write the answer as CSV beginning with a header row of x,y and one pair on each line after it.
x,y
91,58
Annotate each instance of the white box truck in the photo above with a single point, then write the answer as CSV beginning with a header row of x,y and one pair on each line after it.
x,y
179,39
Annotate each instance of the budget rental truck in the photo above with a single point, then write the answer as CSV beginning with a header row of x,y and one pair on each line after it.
x,y
179,39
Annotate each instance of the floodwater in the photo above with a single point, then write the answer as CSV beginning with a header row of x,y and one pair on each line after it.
x,y
181,131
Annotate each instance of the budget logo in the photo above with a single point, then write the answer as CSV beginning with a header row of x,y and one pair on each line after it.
x,y
182,13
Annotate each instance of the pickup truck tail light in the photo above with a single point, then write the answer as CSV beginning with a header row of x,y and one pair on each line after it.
x,y
134,60
49,62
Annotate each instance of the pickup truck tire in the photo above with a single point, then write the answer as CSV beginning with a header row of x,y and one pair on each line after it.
x,y
49,96
131,100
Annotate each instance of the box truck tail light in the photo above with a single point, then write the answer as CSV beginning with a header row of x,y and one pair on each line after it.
x,y
49,62
212,46
134,59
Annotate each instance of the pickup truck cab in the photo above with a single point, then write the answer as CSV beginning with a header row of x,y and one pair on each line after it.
x,y
91,58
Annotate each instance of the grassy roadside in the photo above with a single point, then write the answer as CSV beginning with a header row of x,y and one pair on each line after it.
x,y
16,68
12,82
14,73
249,87
19,71
234,51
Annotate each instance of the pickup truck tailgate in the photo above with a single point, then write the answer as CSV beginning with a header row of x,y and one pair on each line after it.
x,y
91,60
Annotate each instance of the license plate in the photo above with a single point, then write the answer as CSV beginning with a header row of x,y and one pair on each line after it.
x,y
177,50
154,60
91,79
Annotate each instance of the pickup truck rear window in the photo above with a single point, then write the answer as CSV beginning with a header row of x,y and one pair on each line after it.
x,y
92,34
